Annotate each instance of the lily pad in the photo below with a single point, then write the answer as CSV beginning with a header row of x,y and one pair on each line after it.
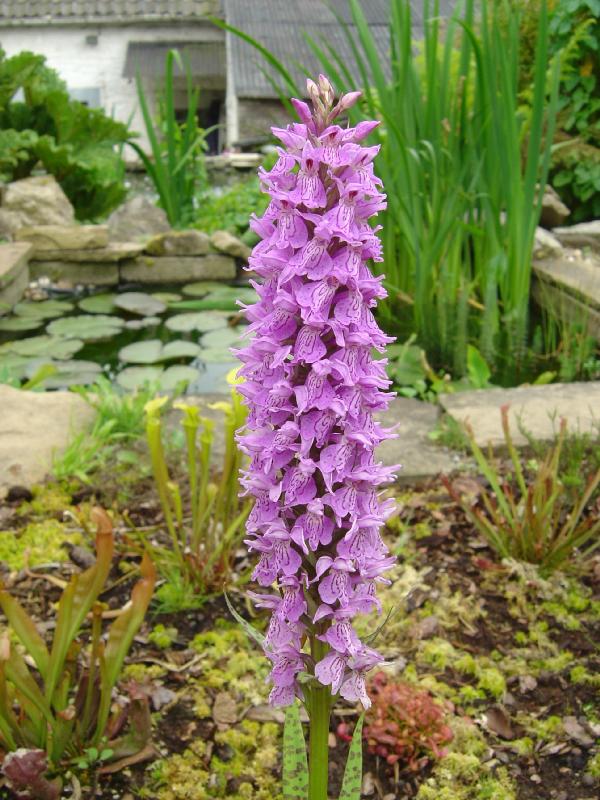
x,y
223,299
218,355
173,376
212,378
166,297
140,303
201,288
132,378
225,337
139,324
199,321
50,347
89,327
43,309
13,365
154,351
20,323
98,303
68,373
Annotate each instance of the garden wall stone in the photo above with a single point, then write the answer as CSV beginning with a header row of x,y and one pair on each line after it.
x,y
64,237
74,273
14,273
179,243
585,234
34,427
537,408
569,287
115,251
34,201
229,244
178,269
137,220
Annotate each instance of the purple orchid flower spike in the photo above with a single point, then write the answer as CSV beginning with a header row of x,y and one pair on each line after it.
x,y
313,385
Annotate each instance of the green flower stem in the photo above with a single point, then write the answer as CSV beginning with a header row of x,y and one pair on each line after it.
x,y
319,713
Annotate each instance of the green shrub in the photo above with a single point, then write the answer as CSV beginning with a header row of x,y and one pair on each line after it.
x,y
76,144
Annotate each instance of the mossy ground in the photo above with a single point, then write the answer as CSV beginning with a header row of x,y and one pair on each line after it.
x,y
480,635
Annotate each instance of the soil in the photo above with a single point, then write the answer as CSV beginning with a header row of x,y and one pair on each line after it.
x,y
501,610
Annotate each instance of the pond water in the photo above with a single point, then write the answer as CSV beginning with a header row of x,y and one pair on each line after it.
x,y
164,336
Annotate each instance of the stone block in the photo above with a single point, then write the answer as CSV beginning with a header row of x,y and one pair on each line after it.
x,y
115,251
575,276
13,260
537,409
179,243
34,428
14,291
64,237
585,234
84,273
178,269
225,242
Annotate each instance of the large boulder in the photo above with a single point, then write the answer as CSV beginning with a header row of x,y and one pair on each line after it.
x,y
34,201
138,219
34,428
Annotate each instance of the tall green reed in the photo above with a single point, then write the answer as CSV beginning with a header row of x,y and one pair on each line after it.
x,y
174,166
461,155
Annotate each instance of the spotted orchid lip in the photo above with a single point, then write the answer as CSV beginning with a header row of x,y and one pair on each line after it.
x,y
312,386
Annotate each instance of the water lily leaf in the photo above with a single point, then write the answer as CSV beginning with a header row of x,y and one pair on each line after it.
x,y
225,337
132,378
166,297
98,303
153,351
72,372
201,288
21,323
13,365
217,355
295,762
140,303
139,324
222,299
43,309
50,347
88,327
212,377
176,375
200,321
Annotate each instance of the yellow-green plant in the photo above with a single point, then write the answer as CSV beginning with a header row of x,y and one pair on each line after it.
x,y
55,702
204,536
535,522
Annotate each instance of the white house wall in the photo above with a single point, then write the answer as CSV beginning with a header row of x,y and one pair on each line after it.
x,y
87,66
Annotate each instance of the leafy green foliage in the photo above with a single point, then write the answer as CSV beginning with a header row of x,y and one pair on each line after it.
x,y
201,552
54,699
76,144
176,167
575,32
295,763
533,520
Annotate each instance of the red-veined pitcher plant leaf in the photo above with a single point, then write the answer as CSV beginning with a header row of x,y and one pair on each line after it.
x,y
295,763
352,782
77,600
120,637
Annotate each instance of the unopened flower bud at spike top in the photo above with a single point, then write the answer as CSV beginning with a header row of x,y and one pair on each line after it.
x,y
313,387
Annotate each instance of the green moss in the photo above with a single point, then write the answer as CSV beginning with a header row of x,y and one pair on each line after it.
x,y
544,730
41,541
580,674
143,673
523,747
438,653
47,499
492,681
466,664
593,766
162,637
249,774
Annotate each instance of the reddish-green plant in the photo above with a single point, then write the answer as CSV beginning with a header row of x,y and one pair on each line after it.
x,y
405,725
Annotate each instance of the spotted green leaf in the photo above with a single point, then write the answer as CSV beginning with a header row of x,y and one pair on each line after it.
x,y
352,782
295,763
